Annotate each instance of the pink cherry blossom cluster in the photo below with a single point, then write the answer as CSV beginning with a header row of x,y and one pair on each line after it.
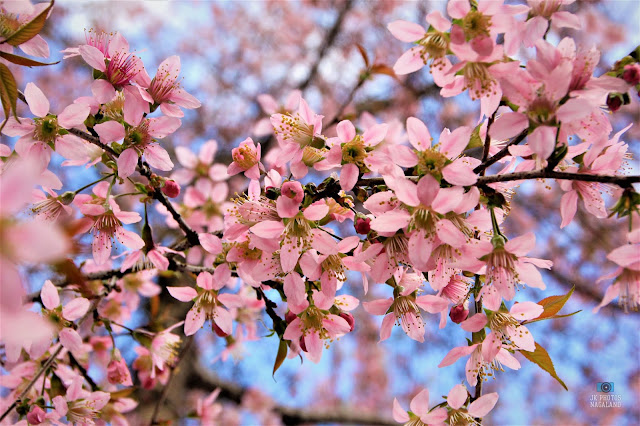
x,y
413,217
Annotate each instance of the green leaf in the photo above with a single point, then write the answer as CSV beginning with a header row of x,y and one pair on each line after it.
x,y
19,60
552,317
30,29
8,92
280,357
543,360
553,304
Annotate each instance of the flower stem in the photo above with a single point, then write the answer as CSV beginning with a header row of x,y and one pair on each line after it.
x,y
93,183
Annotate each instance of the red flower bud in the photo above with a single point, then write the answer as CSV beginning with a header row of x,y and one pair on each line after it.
x,y
303,346
349,318
171,188
631,74
614,102
363,225
458,314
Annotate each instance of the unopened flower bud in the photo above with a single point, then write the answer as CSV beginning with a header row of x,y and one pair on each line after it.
x,y
67,197
303,346
458,314
363,225
631,74
117,371
36,415
349,318
614,102
171,188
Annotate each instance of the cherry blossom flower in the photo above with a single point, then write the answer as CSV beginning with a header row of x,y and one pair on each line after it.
x,y
63,316
457,399
431,45
404,307
40,135
420,413
297,133
106,222
209,303
117,370
312,326
626,284
246,158
79,405
165,91
139,139
507,266
200,166
15,14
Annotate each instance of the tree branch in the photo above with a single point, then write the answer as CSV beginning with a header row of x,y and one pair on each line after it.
x,y
500,154
327,43
622,181
201,378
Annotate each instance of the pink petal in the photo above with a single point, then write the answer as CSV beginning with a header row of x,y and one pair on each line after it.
x,y
37,101
521,245
391,221
508,125
406,31
375,134
543,141
205,280
103,91
525,311
349,176
75,309
419,135
484,404
475,323
387,326
224,320
316,211
221,276
450,234
409,62
564,19
452,143
162,127
438,21
268,229
194,321
289,255
158,157
210,243
127,162
93,56
432,304
183,294
346,131
459,173
458,9
378,307
428,188
129,239
625,255
455,354
74,115
49,295
70,339
420,403
399,415
110,131
457,396
406,191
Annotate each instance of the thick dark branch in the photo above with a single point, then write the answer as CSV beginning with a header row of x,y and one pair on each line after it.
x,y
501,154
203,379
94,140
192,236
623,181
327,43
